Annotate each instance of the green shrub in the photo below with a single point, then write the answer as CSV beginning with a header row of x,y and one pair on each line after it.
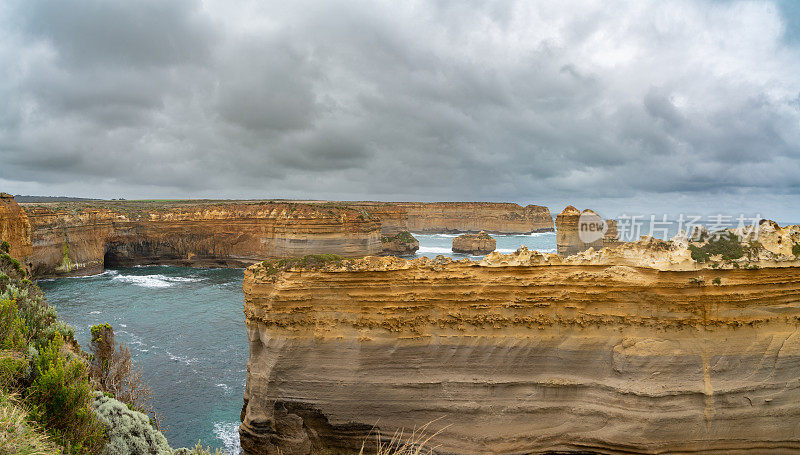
x,y
726,244
402,236
717,281
5,247
796,250
60,398
129,431
308,261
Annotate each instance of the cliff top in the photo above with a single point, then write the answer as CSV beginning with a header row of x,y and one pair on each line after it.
x,y
776,247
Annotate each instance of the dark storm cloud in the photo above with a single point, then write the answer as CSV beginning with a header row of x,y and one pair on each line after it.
x,y
613,104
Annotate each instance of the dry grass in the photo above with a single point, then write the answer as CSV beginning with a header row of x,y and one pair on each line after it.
x,y
415,443
18,435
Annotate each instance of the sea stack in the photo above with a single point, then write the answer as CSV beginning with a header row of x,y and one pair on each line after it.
x,y
400,244
578,231
475,244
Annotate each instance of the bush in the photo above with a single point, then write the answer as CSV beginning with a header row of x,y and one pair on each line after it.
x,y
112,371
60,398
717,281
726,244
796,250
5,247
129,431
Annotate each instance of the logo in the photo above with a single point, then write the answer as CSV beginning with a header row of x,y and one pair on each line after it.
x,y
591,227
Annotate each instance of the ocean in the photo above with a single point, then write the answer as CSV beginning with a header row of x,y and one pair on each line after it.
x,y
185,327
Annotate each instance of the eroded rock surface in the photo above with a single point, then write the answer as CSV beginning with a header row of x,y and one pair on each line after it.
x,y
15,227
400,244
475,244
501,218
79,238
635,349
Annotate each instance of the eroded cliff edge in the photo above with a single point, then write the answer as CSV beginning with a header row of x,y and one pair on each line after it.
x,y
80,238
636,349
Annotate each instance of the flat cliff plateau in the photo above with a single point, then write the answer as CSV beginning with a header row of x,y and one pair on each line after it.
x,y
492,217
83,237
625,350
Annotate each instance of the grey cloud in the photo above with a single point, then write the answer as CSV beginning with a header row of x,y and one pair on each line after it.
x,y
522,101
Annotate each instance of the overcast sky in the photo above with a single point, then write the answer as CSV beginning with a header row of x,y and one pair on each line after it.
x,y
649,106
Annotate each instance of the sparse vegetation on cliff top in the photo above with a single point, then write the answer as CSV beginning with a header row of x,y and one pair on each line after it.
x,y
308,261
726,244
402,236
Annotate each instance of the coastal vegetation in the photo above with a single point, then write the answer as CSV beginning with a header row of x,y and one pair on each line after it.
x,y
726,244
56,398
310,260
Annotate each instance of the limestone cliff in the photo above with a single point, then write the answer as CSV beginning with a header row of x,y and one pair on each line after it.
x,y
15,228
635,349
475,244
79,238
501,218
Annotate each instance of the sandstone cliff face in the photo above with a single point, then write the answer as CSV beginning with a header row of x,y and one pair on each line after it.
x,y
475,244
15,227
636,349
394,218
501,218
80,238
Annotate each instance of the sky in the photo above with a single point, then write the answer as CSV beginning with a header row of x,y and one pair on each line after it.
x,y
644,106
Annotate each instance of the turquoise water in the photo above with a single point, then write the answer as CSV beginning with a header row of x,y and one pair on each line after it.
x,y
431,245
186,328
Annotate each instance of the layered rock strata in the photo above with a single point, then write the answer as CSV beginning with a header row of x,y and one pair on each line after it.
x,y
15,228
475,244
635,349
575,231
400,244
457,217
80,238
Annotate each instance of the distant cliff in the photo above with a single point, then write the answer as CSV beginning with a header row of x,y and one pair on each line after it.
x,y
80,238
456,217
635,349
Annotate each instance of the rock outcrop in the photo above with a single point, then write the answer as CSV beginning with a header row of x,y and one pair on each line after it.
x,y
474,244
15,228
457,217
633,349
80,238
400,244
578,231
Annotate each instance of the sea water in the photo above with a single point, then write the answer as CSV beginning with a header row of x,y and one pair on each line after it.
x,y
185,327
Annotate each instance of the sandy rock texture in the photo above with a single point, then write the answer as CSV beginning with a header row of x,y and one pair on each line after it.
x,y
456,217
475,244
80,238
15,227
635,349
568,237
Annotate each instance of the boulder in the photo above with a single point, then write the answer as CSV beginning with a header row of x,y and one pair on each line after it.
x,y
475,244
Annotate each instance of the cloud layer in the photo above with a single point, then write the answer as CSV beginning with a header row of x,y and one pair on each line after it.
x,y
649,105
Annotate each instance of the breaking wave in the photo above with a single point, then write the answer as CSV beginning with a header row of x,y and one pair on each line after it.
x,y
154,281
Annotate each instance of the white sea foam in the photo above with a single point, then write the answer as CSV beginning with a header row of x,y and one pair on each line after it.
x,y
95,312
434,249
505,250
183,359
154,281
228,433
